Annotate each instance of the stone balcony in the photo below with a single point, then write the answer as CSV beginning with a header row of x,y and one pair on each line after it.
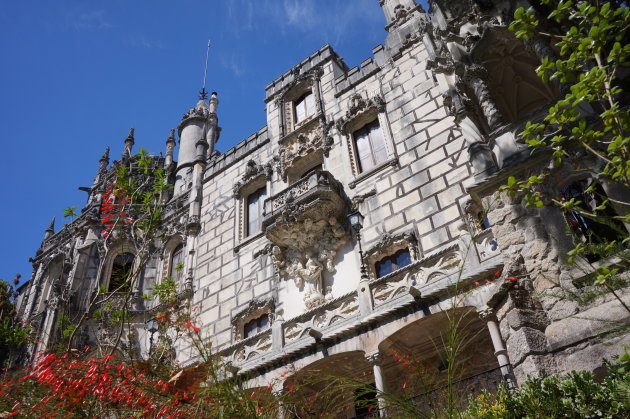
x,y
316,197
306,223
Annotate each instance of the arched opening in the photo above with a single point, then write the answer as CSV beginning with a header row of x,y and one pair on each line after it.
x,y
122,268
417,359
338,385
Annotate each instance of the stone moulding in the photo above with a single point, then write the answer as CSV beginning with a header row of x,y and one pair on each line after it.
x,y
310,141
358,107
256,308
253,171
388,245
306,224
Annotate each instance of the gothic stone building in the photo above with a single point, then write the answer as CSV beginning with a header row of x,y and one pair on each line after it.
x,y
418,138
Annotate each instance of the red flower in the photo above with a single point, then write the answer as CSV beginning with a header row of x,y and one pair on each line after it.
x,y
512,278
196,329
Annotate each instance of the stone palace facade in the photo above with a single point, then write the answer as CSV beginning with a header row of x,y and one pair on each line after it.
x,y
418,138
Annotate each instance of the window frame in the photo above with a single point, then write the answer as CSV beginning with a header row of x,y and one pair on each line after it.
x,y
306,100
259,328
367,135
393,258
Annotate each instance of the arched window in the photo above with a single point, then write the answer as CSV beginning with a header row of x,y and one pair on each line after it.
x,y
176,267
121,270
392,263
256,325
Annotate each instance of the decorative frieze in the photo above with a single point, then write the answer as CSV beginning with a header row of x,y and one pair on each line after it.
x,y
359,106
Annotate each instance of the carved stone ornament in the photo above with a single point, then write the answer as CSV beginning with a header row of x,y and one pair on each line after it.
x,y
298,77
255,309
303,223
357,106
360,198
253,170
388,245
310,141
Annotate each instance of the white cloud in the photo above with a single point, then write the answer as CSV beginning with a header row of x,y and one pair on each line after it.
x,y
91,20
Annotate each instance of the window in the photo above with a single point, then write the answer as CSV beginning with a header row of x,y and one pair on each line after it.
x,y
304,107
177,263
392,263
121,269
256,325
370,146
255,202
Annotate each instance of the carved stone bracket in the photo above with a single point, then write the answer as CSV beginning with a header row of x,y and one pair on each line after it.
x,y
304,223
358,106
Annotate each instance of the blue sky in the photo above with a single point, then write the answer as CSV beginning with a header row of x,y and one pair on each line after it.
x,y
76,75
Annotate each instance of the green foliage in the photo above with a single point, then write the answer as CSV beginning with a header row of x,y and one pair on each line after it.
x,y
70,212
576,396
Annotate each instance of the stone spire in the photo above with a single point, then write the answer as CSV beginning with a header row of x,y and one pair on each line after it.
x,y
50,230
104,161
129,142
170,147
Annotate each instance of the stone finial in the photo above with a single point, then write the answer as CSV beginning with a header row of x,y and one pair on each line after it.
x,y
105,157
129,142
51,227
50,230
171,137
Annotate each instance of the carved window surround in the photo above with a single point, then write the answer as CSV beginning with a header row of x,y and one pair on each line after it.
x,y
388,245
304,148
301,84
167,255
362,111
256,176
255,309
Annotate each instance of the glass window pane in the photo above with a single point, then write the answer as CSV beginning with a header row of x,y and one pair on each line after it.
x,y
255,203
384,267
309,102
300,111
177,260
403,258
377,142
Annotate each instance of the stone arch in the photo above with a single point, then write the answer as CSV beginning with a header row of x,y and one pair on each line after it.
x,y
512,79
121,248
417,351
311,385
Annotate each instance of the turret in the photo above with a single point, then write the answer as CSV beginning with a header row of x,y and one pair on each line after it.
x,y
170,147
398,11
50,230
198,133
129,142
406,19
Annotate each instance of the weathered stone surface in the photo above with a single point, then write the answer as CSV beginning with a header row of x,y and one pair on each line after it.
x,y
588,324
525,341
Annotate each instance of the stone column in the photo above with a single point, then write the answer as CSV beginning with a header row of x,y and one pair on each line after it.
x,y
476,78
277,389
375,359
487,314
